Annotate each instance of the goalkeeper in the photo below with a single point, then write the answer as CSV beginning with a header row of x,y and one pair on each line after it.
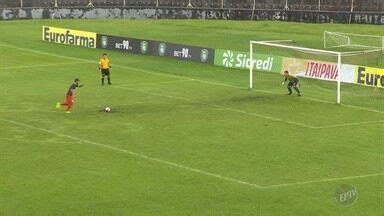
x,y
293,83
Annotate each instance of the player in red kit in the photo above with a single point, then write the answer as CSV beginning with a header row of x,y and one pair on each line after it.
x,y
69,96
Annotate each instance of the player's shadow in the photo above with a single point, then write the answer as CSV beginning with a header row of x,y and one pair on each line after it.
x,y
250,99
164,109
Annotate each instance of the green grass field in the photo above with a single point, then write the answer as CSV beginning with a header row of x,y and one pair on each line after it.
x,y
182,138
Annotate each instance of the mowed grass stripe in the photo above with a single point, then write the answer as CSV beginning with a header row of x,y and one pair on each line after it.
x,y
216,105
183,77
221,107
172,164
140,155
51,177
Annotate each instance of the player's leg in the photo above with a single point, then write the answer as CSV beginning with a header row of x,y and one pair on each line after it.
x,y
102,76
296,88
109,77
60,104
69,103
290,84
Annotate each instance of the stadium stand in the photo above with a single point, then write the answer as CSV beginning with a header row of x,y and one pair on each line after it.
x,y
325,5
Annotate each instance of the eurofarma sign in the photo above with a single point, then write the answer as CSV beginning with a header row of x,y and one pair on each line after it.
x,y
369,76
69,36
242,60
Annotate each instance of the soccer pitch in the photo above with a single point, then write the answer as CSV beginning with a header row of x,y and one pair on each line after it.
x,y
182,138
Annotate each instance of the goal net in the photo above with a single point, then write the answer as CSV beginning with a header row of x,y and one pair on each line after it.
x,y
352,41
325,75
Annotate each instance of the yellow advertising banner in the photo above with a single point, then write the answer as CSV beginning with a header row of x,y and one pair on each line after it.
x,y
69,36
369,76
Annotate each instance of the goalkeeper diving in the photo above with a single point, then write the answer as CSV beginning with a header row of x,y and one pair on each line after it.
x,y
293,83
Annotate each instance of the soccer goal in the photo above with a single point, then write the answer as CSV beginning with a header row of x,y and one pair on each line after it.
x,y
324,73
354,41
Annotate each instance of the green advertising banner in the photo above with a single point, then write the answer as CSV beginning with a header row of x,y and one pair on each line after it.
x,y
241,60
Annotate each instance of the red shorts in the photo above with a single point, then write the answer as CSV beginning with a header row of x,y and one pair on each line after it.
x,y
70,100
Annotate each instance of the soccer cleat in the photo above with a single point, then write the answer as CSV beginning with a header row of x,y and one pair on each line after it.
x,y
58,105
68,112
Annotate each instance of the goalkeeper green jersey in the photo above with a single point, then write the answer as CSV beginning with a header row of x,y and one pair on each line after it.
x,y
291,78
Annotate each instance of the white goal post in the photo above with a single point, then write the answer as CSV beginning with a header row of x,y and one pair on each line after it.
x,y
351,40
275,43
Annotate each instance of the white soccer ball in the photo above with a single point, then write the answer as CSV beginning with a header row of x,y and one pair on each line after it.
x,y
107,109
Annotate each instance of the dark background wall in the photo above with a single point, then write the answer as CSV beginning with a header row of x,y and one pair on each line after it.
x,y
325,5
195,13
337,11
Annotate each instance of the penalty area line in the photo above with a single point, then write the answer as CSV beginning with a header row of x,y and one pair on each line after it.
x,y
250,113
139,155
220,107
172,164
350,124
41,65
323,180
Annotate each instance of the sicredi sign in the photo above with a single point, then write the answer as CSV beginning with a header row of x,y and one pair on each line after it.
x,y
242,60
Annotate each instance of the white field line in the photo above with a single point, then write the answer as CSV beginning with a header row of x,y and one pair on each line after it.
x,y
26,111
35,141
220,107
253,114
46,53
156,83
175,76
306,98
41,65
91,61
363,108
172,164
350,124
140,155
323,180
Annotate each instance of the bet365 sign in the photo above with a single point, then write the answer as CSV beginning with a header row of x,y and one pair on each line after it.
x,y
242,60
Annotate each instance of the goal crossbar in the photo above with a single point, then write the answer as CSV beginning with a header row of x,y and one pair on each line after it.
x,y
268,43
